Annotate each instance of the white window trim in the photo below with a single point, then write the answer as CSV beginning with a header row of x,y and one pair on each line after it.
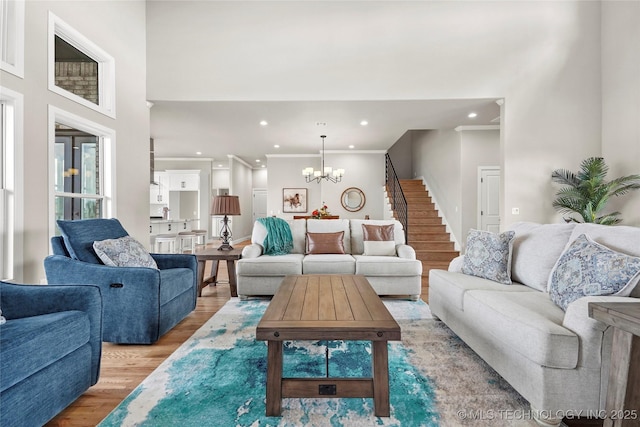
x,y
106,67
107,138
16,39
14,189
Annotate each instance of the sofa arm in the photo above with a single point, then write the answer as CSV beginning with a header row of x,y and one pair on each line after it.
x,y
590,331
456,264
167,261
18,301
405,251
253,250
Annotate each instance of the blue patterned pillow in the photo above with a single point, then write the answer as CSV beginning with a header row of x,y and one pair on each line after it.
x,y
589,268
488,255
123,252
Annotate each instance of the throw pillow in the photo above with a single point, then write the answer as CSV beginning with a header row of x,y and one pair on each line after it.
x,y
123,252
488,255
2,319
589,268
325,243
378,240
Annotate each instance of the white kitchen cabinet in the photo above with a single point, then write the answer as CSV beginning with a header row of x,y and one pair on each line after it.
x,y
159,192
184,181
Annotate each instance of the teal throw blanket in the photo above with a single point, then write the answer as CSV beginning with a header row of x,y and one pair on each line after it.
x,y
279,240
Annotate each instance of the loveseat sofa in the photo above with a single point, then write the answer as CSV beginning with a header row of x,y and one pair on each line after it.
x,y
397,273
558,359
50,347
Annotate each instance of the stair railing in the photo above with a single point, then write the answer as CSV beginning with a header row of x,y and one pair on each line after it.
x,y
396,196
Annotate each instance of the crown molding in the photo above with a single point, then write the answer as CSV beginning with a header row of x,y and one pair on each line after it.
x,y
477,127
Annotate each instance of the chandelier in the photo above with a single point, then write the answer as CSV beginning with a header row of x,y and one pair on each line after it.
x,y
326,172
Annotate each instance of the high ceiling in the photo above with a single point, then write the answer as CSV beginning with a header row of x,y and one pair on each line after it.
x,y
221,128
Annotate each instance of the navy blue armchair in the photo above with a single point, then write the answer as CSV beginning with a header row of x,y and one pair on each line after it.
x,y
50,348
140,304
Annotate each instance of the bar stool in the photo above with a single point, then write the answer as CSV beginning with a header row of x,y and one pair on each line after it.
x,y
201,237
187,239
169,239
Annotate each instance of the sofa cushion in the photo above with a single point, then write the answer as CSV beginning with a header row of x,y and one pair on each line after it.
x,y
589,268
268,265
357,236
328,264
325,243
387,266
123,252
620,238
536,248
488,255
331,226
45,338
529,323
457,284
79,235
175,281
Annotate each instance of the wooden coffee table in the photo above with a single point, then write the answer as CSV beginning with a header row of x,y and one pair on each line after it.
x,y
327,307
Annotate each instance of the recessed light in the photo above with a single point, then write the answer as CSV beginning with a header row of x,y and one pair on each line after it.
x,y
198,152
219,166
352,146
364,123
263,166
257,160
263,123
276,146
472,115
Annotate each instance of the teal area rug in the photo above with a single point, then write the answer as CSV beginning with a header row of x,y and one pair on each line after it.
x,y
218,377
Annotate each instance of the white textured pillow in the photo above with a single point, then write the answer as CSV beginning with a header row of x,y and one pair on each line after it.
x,y
488,255
123,252
2,319
589,268
379,248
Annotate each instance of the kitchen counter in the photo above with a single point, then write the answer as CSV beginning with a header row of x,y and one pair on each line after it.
x,y
172,221
164,226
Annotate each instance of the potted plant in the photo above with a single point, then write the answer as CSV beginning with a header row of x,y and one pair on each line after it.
x,y
587,192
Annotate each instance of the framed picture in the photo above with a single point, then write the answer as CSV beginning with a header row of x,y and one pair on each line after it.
x,y
294,200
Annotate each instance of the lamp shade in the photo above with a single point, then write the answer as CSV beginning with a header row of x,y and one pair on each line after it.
x,y
225,205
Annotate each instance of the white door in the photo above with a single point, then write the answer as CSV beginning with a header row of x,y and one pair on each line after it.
x,y
259,203
489,198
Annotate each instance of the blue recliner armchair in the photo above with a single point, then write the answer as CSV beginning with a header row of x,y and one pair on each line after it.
x,y
50,348
140,304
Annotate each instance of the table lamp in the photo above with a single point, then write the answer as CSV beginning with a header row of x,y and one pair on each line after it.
x,y
225,205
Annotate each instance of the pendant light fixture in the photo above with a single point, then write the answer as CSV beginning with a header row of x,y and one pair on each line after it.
x,y
326,172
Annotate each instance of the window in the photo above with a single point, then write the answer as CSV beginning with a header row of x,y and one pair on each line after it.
x,y
11,185
79,70
12,36
82,168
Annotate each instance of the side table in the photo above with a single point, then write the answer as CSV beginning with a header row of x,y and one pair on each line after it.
x,y
215,255
623,392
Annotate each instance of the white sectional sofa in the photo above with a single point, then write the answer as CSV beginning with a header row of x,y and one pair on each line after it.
x,y
259,274
558,360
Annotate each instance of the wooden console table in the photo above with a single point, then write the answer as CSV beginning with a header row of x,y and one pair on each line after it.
x,y
623,390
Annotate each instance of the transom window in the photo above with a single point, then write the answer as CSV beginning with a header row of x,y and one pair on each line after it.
x,y
12,36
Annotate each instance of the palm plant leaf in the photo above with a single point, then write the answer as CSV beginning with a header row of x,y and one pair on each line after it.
x,y
587,192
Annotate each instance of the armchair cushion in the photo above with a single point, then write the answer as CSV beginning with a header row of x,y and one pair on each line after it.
x,y
79,235
123,252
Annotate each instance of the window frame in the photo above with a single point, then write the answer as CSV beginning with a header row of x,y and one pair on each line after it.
x,y
12,193
106,67
107,144
15,38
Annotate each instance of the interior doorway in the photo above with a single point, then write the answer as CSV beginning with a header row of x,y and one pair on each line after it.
x,y
489,198
259,209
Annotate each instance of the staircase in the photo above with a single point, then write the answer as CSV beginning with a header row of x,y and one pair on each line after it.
x,y
427,235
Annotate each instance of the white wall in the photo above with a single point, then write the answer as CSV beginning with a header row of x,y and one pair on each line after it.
x,y
543,58
240,177
621,99
98,21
